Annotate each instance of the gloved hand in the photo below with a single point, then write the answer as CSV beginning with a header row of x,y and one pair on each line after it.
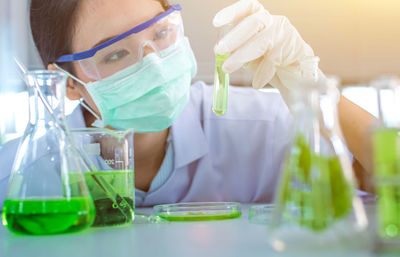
x,y
266,44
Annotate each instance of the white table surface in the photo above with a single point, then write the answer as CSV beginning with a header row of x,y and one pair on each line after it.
x,y
230,238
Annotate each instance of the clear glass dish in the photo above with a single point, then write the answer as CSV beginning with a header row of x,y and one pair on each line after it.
x,y
198,211
260,214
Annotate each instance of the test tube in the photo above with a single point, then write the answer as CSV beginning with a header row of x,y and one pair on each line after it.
x,y
221,83
221,80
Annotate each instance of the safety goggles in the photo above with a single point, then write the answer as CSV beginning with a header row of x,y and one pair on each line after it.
x,y
130,47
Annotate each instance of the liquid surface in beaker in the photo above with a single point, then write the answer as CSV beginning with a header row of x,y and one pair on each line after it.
x,y
314,192
109,212
387,169
48,216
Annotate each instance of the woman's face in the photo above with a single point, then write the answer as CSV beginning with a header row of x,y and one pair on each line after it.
x,y
100,20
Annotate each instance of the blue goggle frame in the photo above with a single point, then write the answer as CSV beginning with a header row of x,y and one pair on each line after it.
x,y
137,29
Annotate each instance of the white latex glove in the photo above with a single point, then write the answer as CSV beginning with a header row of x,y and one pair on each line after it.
x,y
267,44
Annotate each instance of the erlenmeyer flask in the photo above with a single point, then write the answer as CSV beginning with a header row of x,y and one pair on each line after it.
x,y
47,192
386,149
316,206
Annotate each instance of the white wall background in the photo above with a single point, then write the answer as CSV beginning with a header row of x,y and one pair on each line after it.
x,y
356,39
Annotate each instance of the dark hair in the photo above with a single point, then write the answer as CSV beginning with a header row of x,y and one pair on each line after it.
x,y
53,25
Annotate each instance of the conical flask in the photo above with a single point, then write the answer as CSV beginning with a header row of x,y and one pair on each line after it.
x,y
47,192
316,207
386,149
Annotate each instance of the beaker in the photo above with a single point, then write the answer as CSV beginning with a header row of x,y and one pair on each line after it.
x,y
111,181
386,149
47,192
316,207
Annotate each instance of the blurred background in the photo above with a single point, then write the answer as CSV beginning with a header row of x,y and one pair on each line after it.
x,y
357,40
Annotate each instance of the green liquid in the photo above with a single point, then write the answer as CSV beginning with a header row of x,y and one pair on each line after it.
x,y
387,168
43,217
314,192
199,216
221,85
108,212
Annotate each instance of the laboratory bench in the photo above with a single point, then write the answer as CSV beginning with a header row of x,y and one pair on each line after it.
x,y
230,238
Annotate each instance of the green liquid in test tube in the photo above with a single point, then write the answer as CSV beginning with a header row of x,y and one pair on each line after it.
x,y
221,84
221,79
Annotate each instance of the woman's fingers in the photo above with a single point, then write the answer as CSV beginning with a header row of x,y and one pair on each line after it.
x,y
250,51
265,72
269,45
245,30
236,12
296,47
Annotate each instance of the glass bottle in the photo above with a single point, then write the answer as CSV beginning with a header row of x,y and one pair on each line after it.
x,y
47,192
316,206
386,151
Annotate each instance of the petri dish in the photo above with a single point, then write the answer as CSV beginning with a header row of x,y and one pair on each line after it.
x,y
198,211
260,214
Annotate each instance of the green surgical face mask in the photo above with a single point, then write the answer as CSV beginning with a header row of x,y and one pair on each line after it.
x,y
147,96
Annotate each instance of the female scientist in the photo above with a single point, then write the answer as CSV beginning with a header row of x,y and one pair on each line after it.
x,y
132,65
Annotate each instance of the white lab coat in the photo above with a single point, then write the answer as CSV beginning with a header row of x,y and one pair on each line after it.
x,y
236,157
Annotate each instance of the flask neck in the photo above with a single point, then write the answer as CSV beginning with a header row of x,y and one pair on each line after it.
x,y
316,115
388,96
305,98
307,103
38,114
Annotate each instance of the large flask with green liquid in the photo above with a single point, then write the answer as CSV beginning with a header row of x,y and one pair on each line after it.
x,y
47,192
386,149
316,207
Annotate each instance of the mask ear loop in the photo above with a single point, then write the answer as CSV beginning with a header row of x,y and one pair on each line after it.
x,y
99,123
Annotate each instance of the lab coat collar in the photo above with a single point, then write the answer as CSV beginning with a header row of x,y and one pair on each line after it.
x,y
76,120
189,140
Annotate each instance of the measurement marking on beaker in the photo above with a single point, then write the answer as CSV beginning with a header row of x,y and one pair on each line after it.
x,y
110,162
